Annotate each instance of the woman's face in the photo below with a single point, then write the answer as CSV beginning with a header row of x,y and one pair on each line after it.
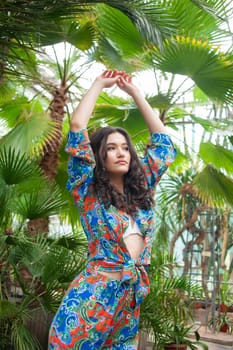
x,y
118,156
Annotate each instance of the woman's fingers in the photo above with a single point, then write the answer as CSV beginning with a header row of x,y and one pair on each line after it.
x,y
109,73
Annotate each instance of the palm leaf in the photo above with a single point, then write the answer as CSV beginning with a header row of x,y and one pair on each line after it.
x,y
218,156
7,310
16,168
31,134
14,317
218,125
205,16
11,108
110,56
218,9
213,187
210,70
38,204
118,29
81,35
22,337
34,22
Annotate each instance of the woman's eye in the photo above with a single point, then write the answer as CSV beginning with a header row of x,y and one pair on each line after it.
x,y
126,148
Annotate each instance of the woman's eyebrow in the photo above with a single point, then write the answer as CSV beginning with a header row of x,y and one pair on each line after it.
x,y
116,143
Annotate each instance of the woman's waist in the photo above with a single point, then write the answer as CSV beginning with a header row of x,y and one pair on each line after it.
x,y
116,270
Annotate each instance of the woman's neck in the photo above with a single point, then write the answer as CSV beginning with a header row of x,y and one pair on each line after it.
x,y
118,184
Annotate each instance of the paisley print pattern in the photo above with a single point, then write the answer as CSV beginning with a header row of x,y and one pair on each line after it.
x,y
98,312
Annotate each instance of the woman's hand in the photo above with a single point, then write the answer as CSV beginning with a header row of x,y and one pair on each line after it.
x,y
123,80
108,78
125,83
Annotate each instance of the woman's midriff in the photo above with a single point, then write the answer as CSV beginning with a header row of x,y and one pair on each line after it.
x,y
134,244
113,275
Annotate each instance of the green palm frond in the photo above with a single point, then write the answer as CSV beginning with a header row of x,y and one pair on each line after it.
x,y
203,20
21,62
213,187
13,317
217,9
110,56
37,204
219,125
120,33
116,111
211,70
11,107
22,337
31,134
32,24
123,35
16,168
81,35
218,156
51,259
154,21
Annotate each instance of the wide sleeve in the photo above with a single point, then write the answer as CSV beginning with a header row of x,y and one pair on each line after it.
x,y
160,154
80,165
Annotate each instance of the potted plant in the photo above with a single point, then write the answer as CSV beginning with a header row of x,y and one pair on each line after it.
x,y
221,322
181,336
166,313
222,318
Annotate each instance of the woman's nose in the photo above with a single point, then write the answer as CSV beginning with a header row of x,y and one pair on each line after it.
x,y
120,152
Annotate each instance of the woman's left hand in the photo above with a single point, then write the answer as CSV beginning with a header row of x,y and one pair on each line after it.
x,y
125,83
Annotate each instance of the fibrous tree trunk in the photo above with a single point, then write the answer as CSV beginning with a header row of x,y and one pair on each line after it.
x,y
49,160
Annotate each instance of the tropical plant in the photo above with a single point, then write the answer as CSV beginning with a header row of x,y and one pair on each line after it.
x,y
166,312
166,38
221,322
182,334
35,269
35,272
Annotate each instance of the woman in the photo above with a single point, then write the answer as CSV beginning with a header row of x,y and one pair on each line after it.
x,y
113,191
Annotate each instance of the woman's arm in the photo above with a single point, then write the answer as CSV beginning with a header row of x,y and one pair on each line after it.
x,y
150,116
85,108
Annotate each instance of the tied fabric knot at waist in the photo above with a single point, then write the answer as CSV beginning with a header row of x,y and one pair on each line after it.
x,y
132,274
136,276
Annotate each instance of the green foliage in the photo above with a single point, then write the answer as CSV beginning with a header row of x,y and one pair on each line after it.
x,y
166,312
172,36
213,187
35,272
197,59
218,156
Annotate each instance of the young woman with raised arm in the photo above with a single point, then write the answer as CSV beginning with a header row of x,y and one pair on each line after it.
x,y
113,190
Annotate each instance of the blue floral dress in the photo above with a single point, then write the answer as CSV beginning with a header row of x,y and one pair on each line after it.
x,y
98,312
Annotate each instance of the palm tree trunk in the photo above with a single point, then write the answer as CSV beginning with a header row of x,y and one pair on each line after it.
x,y
50,156
49,160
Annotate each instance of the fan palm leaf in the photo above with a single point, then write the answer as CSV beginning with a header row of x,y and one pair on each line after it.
x,y
50,265
210,70
81,35
31,24
16,168
48,201
220,157
31,135
208,17
213,187
12,319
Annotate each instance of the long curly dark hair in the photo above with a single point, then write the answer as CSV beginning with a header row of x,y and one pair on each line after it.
x,y
136,193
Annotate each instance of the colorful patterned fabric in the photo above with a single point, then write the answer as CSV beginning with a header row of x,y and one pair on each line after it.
x,y
98,312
